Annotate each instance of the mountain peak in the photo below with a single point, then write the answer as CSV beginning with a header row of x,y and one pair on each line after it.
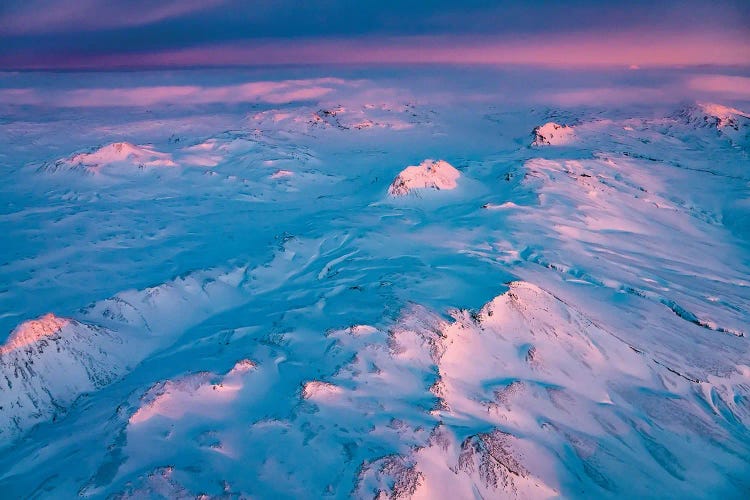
x,y
116,154
430,174
33,330
552,134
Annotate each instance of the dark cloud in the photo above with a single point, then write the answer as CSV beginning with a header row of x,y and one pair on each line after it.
x,y
35,31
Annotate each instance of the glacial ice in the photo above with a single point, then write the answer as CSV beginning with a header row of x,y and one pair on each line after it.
x,y
283,298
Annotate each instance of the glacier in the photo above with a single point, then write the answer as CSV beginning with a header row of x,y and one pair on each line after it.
x,y
441,282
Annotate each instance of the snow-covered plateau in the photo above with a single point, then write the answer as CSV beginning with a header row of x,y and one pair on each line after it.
x,y
374,283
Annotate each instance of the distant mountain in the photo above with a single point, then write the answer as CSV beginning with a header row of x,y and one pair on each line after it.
x,y
430,174
118,155
552,134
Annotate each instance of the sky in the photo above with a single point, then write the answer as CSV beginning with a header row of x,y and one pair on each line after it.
x,y
93,34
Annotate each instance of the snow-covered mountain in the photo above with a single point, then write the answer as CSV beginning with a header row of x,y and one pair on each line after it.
x,y
286,299
46,363
122,155
727,121
429,174
552,134
714,116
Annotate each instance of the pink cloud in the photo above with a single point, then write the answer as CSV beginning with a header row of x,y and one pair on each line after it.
x,y
729,86
276,92
606,95
627,49
39,16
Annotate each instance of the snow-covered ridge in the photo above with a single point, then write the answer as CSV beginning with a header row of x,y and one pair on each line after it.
x,y
173,398
714,115
158,483
552,134
317,390
604,202
47,363
120,155
430,174
544,378
32,331
386,116
729,123
503,401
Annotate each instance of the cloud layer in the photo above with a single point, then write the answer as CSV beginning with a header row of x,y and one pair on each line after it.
x,y
273,92
139,33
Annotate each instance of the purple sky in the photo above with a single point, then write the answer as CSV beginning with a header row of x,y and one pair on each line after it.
x,y
142,33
